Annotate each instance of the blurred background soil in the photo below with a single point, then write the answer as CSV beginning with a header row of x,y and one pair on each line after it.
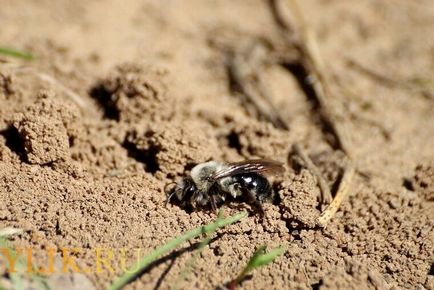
x,y
126,96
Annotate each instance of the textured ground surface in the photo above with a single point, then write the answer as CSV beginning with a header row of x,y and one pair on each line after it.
x,y
141,93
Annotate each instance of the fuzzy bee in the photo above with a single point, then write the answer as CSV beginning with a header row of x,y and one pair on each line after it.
x,y
211,183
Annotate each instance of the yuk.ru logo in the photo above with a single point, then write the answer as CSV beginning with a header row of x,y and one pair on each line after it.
x,y
65,260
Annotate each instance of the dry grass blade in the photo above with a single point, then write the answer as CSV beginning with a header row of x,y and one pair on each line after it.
x,y
310,58
340,196
5,232
17,69
244,72
419,85
326,195
302,38
310,52
74,96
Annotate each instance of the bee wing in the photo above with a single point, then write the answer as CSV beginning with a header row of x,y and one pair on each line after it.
x,y
263,166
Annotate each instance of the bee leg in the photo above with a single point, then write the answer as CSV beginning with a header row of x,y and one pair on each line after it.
x,y
214,196
254,201
213,203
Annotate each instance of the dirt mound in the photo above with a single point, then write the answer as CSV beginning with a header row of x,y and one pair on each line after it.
x,y
46,128
135,92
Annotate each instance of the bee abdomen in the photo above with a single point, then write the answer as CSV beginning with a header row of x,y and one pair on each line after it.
x,y
256,184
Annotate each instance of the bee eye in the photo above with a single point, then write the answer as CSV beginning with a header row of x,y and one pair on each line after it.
x,y
191,189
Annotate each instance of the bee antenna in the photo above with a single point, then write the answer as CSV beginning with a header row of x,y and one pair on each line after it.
x,y
167,185
170,194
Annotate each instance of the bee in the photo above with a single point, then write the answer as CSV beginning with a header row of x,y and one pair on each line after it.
x,y
211,183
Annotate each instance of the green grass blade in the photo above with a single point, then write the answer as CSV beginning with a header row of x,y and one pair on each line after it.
x,y
259,258
15,277
190,263
16,53
143,263
19,277
266,258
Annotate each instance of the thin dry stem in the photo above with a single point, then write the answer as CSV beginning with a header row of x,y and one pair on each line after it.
x,y
412,85
310,51
313,63
310,58
74,96
17,69
340,196
326,195
244,68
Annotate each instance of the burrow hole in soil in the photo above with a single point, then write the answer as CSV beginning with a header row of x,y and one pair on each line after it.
x,y
104,99
234,141
316,286
407,184
14,141
147,157
431,270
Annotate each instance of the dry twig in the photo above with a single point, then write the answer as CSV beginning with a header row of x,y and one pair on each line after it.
x,y
313,64
326,195
341,194
244,72
48,79
74,96
418,85
301,37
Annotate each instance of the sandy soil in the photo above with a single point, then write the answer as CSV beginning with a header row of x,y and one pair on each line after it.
x,y
125,96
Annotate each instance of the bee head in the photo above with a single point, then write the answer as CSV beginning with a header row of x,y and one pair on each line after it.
x,y
189,189
184,191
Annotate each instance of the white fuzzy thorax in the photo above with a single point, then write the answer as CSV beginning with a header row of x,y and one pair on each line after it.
x,y
202,171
